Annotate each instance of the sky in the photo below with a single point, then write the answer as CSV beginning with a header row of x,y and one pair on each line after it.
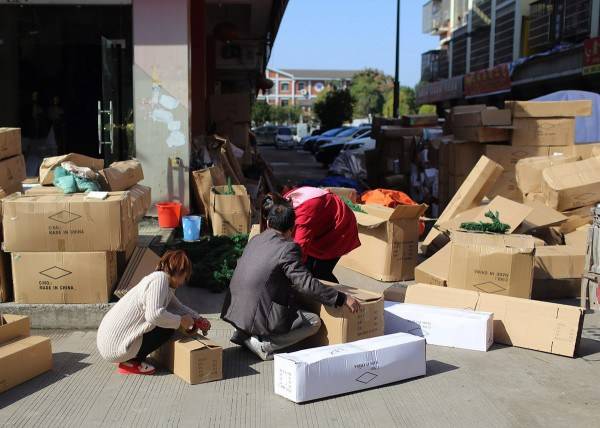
x,y
352,34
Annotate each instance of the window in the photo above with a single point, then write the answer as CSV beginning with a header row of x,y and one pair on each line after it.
x,y
285,86
285,103
301,86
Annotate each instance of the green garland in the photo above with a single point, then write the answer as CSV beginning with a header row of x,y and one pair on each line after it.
x,y
354,207
496,226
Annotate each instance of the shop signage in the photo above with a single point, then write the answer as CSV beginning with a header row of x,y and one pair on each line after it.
x,y
443,90
489,81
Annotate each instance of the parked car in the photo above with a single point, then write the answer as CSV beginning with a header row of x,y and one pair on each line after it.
x,y
328,152
360,145
284,138
327,137
265,135
309,141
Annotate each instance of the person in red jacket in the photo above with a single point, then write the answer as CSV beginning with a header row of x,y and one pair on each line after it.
x,y
325,229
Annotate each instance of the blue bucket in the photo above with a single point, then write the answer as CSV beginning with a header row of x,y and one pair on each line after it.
x,y
191,227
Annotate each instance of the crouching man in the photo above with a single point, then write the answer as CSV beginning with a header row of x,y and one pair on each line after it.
x,y
260,303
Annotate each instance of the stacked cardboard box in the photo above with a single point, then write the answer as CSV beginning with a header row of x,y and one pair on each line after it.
x,y
22,357
481,124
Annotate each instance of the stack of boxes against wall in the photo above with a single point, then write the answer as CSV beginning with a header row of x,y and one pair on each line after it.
x,y
70,248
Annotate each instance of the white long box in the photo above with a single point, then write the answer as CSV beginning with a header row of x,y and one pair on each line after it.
x,y
455,328
338,369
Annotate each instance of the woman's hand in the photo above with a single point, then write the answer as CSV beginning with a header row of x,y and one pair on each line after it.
x,y
187,322
352,304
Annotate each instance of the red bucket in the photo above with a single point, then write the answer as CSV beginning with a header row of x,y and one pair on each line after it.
x,y
169,214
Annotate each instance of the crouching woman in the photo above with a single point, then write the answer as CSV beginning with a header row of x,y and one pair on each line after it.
x,y
147,316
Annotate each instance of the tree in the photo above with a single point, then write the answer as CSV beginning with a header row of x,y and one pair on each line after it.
x,y
407,105
369,88
427,109
261,112
334,107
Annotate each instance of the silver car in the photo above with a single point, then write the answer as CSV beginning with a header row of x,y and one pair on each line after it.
x,y
284,139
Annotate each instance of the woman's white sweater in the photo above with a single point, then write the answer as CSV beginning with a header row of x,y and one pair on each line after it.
x,y
151,303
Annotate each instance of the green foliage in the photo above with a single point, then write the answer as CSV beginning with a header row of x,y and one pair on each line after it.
x,y
496,226
334,107
354,207
407,105
369,88
264,113
427,109
261,112
229,190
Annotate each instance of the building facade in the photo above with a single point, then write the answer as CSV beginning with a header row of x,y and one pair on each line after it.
x,y
302,87
492,50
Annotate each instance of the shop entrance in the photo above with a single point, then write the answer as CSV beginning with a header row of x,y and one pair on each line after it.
x,y
66,77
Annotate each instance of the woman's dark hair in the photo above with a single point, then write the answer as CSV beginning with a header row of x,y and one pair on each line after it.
x,y
175,263
281,217
269,201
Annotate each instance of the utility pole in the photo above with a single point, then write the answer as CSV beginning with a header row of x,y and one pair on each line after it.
x,y
397,74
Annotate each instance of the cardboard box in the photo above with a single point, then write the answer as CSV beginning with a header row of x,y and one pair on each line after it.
x,y
578,238
455,328
559,262
64,277
195,359
230,214
529,170
435,269
233,107
204,181
12,173
24,359
345,192
508,156
48,165
530,109
497,264
556,289
482,135
586,150
339,369
13,327
142,263
141,201
541,217
529,324
389,242
478,183
572,185
506,186
543,132
67,223
10,142
482,116
44,191
122,175
462,157
339,325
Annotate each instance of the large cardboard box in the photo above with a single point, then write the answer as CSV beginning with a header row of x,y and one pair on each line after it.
x,y
482,135
556,289
508,156
506,186
10,142
141,200
142,263
586,150
543,132
435,269
67,223
389,242
559,262
230,214
13,327
195,359
339,325
572,185
12,173
530,324
455,328
338,369
64,277
481,116
529,170
24,359
578,238
462,157
530,109
49,164
122,175
478,183
497,264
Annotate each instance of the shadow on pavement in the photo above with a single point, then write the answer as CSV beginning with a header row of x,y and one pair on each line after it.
x,y
65,364
589,348
435,367
238,362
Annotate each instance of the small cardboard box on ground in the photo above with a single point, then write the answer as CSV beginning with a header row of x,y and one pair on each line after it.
x,y
497,264
64,277
230,214
338,369
195,359
455,328
572,185
122,175
22,357
530,324
529,170
10,142
12,174
70,223
339,325
389,242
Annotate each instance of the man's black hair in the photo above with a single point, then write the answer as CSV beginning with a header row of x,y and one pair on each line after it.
x,y
281,217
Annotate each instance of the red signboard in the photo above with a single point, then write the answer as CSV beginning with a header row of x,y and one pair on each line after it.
x,y
488,81
429,93
591,56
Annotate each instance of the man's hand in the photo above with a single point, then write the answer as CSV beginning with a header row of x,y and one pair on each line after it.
x,y
352,304
187,322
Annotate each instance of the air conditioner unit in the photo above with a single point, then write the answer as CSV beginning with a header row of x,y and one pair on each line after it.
x,y
238,55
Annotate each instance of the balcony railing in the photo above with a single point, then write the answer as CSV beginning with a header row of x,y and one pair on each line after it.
x,y
434,65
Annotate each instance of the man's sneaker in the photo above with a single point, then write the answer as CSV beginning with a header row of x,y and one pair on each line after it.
x,y
239,337
134,367
261,349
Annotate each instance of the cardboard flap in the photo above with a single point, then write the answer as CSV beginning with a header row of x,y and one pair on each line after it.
x,y
408,211
540,217
369,221
197,342
357,293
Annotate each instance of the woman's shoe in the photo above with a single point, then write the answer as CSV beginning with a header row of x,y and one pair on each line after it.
x,y
134,367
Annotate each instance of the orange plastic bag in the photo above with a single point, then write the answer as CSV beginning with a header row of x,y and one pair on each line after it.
x,y
391,199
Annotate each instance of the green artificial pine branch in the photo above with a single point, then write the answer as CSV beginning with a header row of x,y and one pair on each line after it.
x,y
229,190
496,226
354,207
